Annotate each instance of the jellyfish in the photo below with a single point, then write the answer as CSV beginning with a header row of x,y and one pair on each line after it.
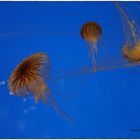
x,y
131,47
91,32
132,54
29,77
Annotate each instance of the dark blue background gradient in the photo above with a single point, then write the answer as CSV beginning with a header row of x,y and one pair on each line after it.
x,y
105,104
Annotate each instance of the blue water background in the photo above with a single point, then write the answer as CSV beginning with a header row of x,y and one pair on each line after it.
x,y
105,104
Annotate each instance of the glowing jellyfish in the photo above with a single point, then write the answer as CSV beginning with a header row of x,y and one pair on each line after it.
x,y
131,47
91,32
29,77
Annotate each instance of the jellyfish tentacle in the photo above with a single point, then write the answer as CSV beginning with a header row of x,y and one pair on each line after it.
x,y
94,43
63,114
92,57
43,97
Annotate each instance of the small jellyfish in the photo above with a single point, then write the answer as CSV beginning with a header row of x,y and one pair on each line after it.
x,y
29,77
91,32
131,47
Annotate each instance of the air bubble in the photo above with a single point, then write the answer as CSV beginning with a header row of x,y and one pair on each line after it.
x,y
25,111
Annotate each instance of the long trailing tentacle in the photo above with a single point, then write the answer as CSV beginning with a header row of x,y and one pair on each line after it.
x,y
92,55
64,115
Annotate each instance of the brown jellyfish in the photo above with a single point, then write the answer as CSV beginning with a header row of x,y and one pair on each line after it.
x,y
131,47
91,32
29,77
132,53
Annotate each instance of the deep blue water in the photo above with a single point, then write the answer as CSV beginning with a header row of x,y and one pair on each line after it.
x,y
105,104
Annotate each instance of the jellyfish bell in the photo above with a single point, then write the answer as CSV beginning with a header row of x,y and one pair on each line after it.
x,y
29,77
91,32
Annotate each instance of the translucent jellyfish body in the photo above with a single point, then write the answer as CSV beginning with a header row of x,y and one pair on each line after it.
x,y
91,32
29,77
